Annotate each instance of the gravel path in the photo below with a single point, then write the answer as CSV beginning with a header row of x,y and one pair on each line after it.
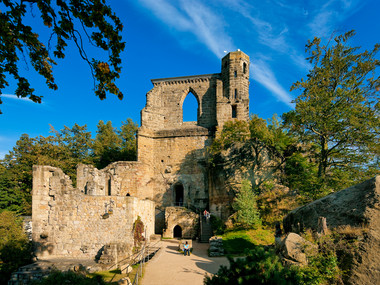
x,y
170,267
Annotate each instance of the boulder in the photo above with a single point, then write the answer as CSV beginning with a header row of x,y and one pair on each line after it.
x,y
292,248
356,206
124,281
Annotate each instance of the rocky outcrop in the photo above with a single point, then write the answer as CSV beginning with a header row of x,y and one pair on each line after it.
x,y
293,249
357,206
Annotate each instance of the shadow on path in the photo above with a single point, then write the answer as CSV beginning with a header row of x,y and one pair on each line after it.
x,y
170,266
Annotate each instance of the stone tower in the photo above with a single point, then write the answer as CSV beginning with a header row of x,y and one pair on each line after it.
x,y
233,103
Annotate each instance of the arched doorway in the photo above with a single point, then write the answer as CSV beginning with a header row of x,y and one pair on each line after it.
x,y
178,195
177,232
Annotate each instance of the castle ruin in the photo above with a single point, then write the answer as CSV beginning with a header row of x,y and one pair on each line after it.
x,y
168,185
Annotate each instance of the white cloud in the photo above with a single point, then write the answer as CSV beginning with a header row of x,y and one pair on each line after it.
x,y
273,28
332,13
261,73
195,18
14,97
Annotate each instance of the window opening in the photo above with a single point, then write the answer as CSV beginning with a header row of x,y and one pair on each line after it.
x,y
244,67
234,111
235,73
178,193
177,231
235,94
109,187
190,108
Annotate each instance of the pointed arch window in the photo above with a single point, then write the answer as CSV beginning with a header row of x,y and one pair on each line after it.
x,y
190,108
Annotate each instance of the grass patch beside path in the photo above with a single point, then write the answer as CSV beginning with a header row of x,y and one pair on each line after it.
x,y
237,242
113,276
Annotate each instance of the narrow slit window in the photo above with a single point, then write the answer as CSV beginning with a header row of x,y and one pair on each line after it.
x,y
235,73
244,67
109,187
236,94
234,111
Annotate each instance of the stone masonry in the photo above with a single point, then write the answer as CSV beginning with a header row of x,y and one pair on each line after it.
x,y
169,183
69,223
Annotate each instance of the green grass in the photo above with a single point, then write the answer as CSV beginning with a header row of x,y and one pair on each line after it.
x,y
237,242
113,276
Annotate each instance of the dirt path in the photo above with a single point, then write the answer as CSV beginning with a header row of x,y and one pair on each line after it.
x,y
170,267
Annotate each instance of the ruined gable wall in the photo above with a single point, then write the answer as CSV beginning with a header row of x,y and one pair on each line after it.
x,y
173,149
66,222
163,108
118,178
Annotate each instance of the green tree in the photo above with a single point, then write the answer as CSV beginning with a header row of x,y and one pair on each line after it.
x,y
127,133
67,21
107,145
15,249
245,205
338,109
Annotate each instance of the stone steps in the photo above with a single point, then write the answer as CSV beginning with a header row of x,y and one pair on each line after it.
x,y
206,232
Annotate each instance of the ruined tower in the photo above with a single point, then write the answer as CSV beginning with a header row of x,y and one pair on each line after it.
x,y
170,182
233,103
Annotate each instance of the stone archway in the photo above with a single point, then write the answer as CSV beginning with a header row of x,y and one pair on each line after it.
x,y
177,232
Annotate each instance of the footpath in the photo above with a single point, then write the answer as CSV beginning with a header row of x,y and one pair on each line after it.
x,y
171,267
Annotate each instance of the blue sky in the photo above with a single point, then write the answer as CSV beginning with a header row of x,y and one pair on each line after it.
x,y
189,37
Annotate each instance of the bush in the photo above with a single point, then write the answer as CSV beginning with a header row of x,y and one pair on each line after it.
x,y
69,277
15,248
261,266
218,227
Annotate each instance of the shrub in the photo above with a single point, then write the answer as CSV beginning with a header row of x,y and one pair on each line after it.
x,y
138,230
218,227
69,277
261,266
15,248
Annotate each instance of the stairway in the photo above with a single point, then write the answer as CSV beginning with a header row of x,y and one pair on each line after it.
x,y
206,230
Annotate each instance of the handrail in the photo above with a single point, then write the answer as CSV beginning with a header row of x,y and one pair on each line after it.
x,y
142,262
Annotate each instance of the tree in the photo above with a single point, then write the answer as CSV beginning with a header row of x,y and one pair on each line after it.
x,y
65,20
127,133
245,205
15,248
106,145
338,109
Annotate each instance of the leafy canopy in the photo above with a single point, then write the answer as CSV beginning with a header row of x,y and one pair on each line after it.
x,y
338,109
72,20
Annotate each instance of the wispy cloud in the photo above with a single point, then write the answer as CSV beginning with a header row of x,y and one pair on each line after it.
x,y
209,28
257,27
263,74
14,97
326,17
195,18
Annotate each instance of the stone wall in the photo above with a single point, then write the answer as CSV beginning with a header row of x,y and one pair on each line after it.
x,y
119,178
183,219
67,222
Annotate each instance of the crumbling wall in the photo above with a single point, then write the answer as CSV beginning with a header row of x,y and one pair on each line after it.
x,y
67,222
120,178
182,217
